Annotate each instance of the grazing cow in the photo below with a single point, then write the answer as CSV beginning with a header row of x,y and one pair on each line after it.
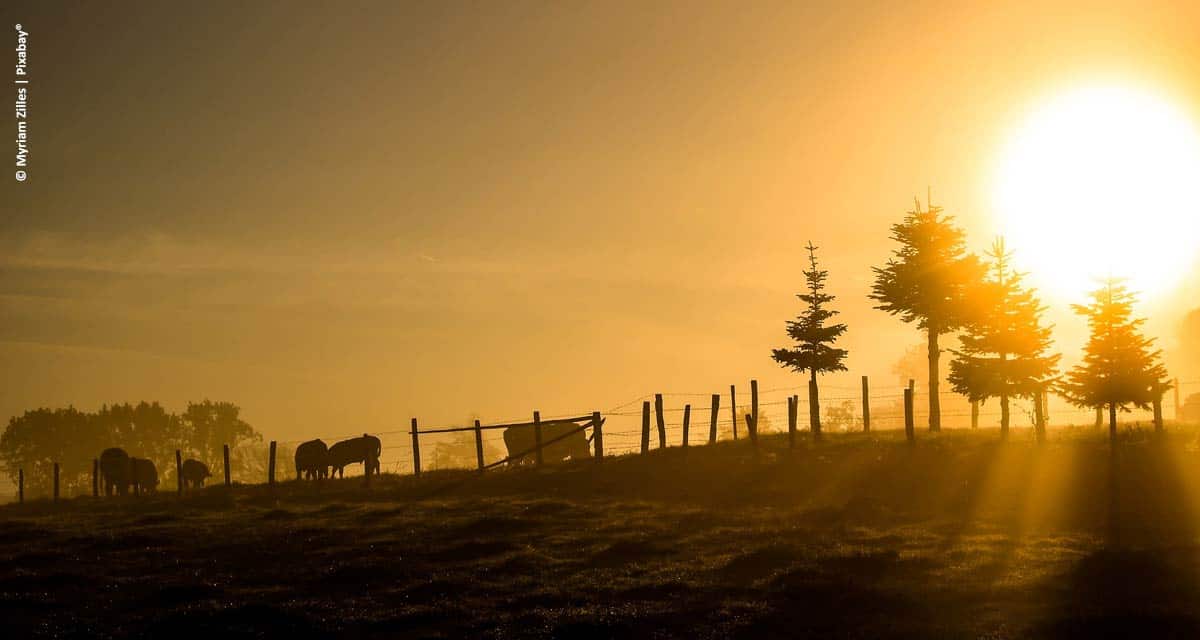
x,y
116,471
365,449
522,439
145,475
312,460
193,473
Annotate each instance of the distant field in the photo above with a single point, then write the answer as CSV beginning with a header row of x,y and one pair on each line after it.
x,y
858,536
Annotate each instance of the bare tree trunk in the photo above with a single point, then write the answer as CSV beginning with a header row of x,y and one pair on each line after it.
x,y
1004,416
935,405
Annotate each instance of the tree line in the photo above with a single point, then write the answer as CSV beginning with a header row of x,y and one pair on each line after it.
x,y
1005,348
37,439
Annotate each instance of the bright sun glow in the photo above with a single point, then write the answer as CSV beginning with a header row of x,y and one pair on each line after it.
x,y
1098,182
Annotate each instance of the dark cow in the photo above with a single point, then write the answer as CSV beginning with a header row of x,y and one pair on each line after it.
x,y
521,439
145,475
116,471
365,449
312,460
193,473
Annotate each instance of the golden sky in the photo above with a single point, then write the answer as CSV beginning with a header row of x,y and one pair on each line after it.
x,y
341,217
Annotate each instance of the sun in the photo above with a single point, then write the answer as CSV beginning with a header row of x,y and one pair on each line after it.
x,y
1102,181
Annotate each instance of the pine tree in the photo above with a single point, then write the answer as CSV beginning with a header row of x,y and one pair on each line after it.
x,y
927,281
1120,366
814,351
1004,349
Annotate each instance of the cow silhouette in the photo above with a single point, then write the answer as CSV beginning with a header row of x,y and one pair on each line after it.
x,y
145,475
521,440
116,471
193,473
365,449
312,460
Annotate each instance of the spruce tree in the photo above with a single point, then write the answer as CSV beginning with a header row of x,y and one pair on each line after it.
x,y
814,351
1004,352
927,281
1120,366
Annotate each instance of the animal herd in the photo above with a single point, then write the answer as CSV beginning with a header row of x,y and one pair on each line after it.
x,y
121,472
315,460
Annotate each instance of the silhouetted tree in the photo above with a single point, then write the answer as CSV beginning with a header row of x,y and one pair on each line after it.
x,y
1120,366
1005,348
37,439
928,281
814,351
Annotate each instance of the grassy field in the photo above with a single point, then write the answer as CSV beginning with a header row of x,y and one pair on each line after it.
x,y
858,536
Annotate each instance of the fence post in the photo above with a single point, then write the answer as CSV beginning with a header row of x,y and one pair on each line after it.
x,y
271,465
20,486
95,478
598,435
56,482
1177,409
712,418
908,415
416,449
753,426
537,437
1039,417
974,414
225,456
866,404
791,422
1158,415
750,430
645,427
733,408
1045,407
178,472
814,410
479,446
659,421
687,419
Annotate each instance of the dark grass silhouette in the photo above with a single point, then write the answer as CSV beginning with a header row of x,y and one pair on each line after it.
x,y
859,536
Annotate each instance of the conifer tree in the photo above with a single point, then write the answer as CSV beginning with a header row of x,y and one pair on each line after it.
x,y
814,352
1004,351
1120,366
927,281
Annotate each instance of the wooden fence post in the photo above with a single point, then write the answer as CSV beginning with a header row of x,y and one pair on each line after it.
x,y
866,404
659,421
56,482
974,414
479,446
1045,407
750,430
1039,418
791,402
271,465
537,437
1158,415
225,456
908,416
598,435
178,472
645,427
712,418
20,486
753,426
687,419
733,408
814,410
1177,415
416,438
95,478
